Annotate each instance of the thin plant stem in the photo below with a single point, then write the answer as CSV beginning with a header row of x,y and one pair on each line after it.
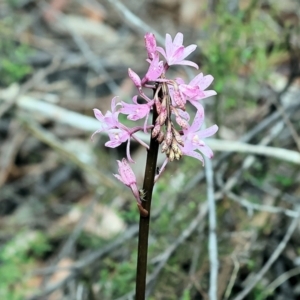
x,y
145,220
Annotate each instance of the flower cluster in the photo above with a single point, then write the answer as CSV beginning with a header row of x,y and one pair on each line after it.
x,y
172,128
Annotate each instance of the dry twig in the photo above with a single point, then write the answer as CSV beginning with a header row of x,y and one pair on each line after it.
x,y
270,261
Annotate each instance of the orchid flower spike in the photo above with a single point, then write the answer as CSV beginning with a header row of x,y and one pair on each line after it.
x,y
169,101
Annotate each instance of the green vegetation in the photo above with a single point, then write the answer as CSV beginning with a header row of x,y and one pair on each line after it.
x,y
240,52
17,257
13,56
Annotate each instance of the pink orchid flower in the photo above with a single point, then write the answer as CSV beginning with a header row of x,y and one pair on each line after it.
x,y
175,52
192,138
137,111
156,68
127,177
121,135
117,132
109,120
195,90
117,137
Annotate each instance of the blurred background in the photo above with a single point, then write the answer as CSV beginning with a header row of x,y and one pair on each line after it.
x,y
68,229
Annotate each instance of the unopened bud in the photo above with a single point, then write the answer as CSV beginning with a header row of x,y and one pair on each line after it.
x,y
135,78
164,147
178,156
177,136
174,145
179,152
182,123
178,99
160,137
168,138
168,151
156,130
164,102
171,155
162,116
150,43
157,105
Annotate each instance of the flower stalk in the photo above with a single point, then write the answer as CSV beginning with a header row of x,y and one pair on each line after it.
x,y
144,224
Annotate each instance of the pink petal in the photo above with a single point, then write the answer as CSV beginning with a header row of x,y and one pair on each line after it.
x,y
208,132
209,94
189,49
190,90
117,137
206,151
169,45
196,104
195,155
196,79
162,51
98,114
188,63
134,117
204,82
113,144
183,114
113,104
179,80
198,121
155,70
177,55
178,40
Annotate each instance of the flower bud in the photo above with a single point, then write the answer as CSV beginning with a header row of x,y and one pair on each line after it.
x,y
174,146
164,102
164,147
177,136
171,155
160,137
158,105
162,116
179,152
135,78
156,130
182,123
168,138
150,43
127,177
178,99
178,156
